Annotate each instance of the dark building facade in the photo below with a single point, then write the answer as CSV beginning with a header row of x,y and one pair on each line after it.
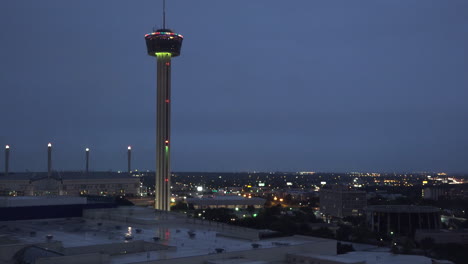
x,y
402,219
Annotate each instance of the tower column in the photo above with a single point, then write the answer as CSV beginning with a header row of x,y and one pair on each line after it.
x,y
163,132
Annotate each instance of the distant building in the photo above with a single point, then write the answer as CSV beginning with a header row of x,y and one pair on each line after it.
x,y
50,206
402,219
340,201
69,183
447,191
433,193
228,201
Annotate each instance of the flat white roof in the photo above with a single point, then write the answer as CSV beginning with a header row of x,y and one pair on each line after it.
x,y
374,258
172,231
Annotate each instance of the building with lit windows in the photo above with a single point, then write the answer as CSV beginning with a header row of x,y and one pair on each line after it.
x,y
69,183
341,201
228,201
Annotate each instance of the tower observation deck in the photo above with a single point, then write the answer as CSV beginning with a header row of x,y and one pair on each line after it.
x,y
163,44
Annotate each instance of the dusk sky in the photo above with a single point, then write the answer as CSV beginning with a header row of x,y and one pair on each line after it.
x,y
368,85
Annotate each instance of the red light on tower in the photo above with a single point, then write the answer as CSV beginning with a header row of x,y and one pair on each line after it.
x,y
167,142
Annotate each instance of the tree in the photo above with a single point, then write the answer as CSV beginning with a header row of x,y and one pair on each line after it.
x,y
324,232
344,248
427,244
362,234
408,246
179,206
285,225
250,209
344,232
457,253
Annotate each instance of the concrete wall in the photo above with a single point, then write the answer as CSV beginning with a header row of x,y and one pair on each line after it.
x,y
325,247
118,214
84,254
300,259
8,251
245,233
93,258
116,248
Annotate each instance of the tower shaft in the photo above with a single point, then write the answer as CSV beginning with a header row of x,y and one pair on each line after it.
x,y
163,129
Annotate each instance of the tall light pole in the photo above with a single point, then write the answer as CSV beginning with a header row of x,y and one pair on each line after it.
x,y
129,156
87,160
49,160
7,159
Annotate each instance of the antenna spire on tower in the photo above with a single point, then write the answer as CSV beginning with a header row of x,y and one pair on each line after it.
x,y
164,14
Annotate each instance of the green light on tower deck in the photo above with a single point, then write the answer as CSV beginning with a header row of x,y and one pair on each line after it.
x,y
163,54
167,149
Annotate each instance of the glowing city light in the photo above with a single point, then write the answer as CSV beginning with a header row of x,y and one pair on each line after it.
x,y
7,147
164,34
129,148
87,149
163,54
49,145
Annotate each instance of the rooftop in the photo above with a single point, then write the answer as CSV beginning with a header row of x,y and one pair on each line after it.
x,y
168,229
66,175
373,258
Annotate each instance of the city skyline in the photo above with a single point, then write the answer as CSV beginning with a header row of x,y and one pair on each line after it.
x,y
362,86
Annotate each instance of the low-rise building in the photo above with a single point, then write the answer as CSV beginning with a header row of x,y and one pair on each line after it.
x,y
226,201
402,219
69,183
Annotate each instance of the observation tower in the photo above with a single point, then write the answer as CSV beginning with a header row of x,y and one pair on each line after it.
x,y
163,44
